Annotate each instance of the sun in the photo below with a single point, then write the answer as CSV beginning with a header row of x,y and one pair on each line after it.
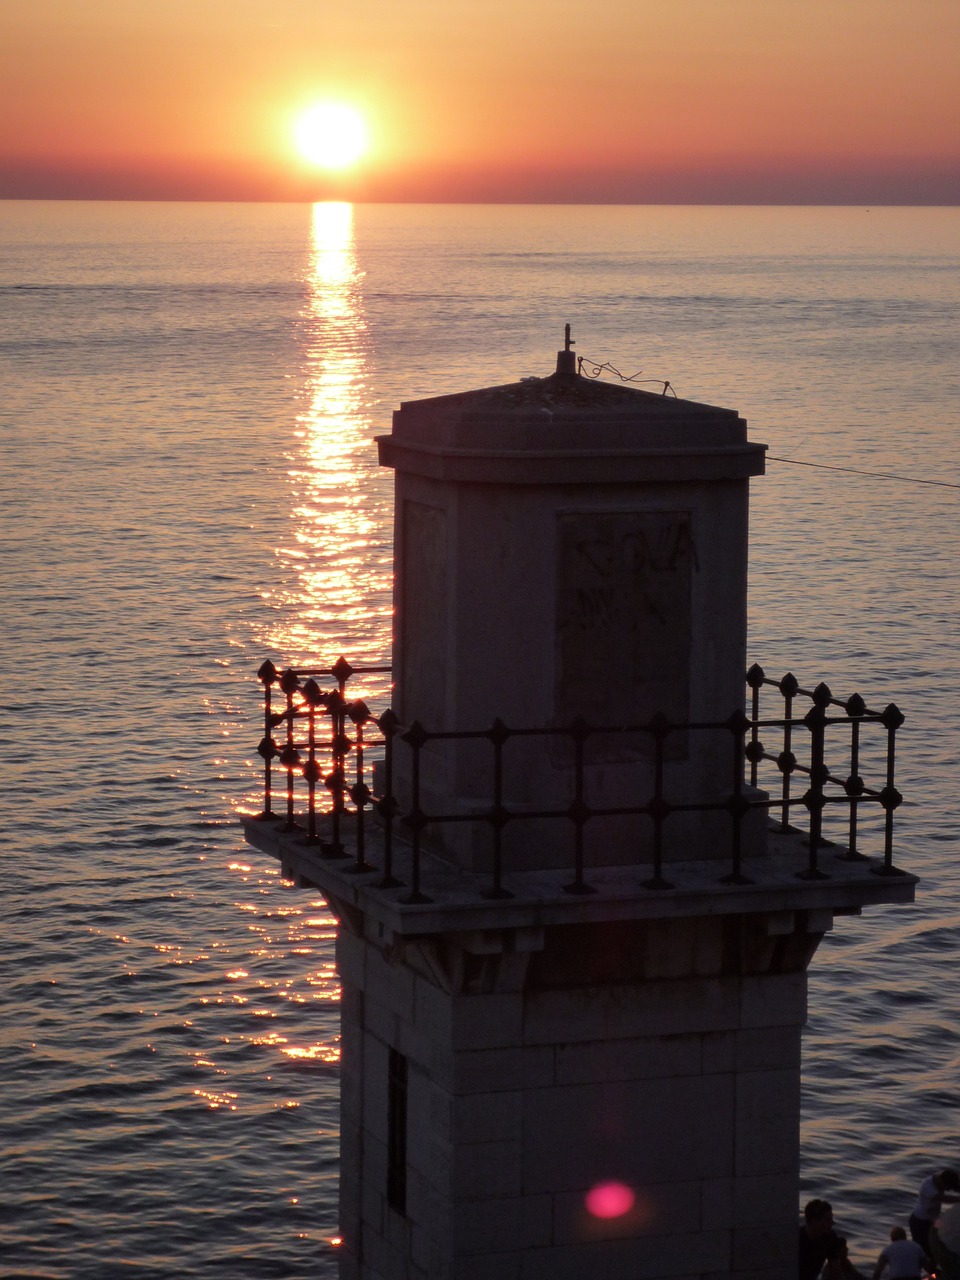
x,y
331,135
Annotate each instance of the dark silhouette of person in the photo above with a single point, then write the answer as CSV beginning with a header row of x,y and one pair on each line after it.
x,y
819,1244
935,1191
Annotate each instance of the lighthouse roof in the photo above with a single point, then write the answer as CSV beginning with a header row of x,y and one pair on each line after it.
x,y
567,392
564,412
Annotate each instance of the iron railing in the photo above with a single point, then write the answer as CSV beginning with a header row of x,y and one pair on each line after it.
x,y
329,741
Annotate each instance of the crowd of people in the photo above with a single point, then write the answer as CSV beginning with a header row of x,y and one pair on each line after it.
x,y
932,1248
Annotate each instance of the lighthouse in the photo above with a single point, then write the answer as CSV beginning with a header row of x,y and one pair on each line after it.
x,y
579,878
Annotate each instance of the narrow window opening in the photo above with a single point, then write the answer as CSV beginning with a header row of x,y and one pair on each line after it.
x,y
397,1132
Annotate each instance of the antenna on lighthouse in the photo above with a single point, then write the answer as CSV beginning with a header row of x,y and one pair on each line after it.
x,y
567,359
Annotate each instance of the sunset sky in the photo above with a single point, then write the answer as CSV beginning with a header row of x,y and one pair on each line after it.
x,y
752,101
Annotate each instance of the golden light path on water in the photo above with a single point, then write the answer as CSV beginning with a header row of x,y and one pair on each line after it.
x,y
335,573
331,593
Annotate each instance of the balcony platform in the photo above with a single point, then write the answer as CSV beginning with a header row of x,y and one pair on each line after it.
x,y
772,885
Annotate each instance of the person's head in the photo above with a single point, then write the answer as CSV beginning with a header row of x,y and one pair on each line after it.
x,y
818,1217
897,1233
948,1180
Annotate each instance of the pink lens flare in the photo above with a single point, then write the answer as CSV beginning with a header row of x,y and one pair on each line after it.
x,y
610,1200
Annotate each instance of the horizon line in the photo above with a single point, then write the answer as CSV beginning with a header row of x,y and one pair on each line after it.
x,y
571,203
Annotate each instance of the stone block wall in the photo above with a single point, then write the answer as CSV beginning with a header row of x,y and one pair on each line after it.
x,y
678,1076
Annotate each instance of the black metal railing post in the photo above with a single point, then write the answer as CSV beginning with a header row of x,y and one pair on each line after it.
x,y
787,762
359,793
738,806
814,800
311,770
853,783
338,779
891,799
578,812
341,672
755,680
267,748
335,781
289,756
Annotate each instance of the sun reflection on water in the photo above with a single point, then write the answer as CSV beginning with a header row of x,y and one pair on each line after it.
x,y
333,593
322,1052
215,1101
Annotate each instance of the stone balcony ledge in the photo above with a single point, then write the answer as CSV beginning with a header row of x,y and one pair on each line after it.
x,y
775,886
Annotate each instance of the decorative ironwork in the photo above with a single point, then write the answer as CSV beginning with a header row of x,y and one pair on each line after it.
x,y
333,731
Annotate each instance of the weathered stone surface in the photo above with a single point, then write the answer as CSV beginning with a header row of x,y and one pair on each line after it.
x,y
635,1058
608,529
657,1084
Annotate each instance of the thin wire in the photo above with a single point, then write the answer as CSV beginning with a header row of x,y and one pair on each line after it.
x,y
877,475
795,462
633,377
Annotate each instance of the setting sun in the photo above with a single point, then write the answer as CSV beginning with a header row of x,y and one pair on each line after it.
x,y
331,136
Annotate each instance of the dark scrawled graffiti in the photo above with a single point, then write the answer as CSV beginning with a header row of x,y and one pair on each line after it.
x,y
624,600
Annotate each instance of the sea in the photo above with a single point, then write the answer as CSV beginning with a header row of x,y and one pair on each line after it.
x,y
189,398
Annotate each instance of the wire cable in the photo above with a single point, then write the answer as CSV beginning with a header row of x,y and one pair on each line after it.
x,y
877,475
596,368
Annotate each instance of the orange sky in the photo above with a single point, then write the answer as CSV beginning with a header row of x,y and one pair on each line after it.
x,y
828,101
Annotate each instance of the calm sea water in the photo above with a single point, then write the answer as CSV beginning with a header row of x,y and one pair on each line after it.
x,y
189,396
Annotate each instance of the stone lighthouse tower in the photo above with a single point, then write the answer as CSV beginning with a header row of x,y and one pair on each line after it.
x,y
573,944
